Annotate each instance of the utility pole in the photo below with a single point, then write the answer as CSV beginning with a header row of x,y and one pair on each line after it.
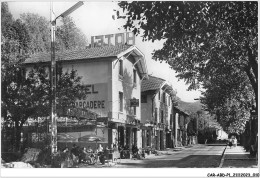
x,y
53,86
53,74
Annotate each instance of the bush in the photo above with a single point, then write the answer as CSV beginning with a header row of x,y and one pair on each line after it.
x,y
10,157
31,155
44,157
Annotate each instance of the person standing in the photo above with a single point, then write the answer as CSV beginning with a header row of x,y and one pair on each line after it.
x,y
100,153
100,148
235,142
230,143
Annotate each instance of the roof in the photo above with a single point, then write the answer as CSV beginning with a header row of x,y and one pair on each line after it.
x,y
89,53
94,53
153,83
181,110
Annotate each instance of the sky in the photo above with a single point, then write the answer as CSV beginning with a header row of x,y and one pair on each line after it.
x,y
95,18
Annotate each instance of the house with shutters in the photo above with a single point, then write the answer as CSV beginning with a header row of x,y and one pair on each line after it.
x,y
157,116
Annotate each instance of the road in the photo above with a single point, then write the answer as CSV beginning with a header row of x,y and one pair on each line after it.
x,y
199,156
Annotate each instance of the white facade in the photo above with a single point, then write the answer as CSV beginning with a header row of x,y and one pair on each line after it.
x,y
157,113
104,82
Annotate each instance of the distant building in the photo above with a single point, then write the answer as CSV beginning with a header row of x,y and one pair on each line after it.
x,y
181,120
113,75
157,113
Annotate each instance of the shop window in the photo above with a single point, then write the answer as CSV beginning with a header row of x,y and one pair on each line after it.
x,y
121,67
120,101
134,76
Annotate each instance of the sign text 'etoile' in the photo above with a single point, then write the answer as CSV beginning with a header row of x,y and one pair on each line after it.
x,y
113,39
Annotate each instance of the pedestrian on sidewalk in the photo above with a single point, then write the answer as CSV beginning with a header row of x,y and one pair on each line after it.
x,y
230,143
235,142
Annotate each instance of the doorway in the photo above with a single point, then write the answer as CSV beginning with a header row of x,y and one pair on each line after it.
x,y
161,141
121,136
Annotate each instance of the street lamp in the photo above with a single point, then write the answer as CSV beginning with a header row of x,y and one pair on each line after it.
x,y
53,74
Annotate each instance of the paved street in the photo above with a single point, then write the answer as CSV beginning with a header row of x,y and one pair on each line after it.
x,y
198,156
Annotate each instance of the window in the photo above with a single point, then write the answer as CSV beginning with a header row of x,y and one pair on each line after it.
x,y
171,120
159,95
156,114
161,116
121,67
120,101
169,101
134,76
143,98
135,110
164,98
152,106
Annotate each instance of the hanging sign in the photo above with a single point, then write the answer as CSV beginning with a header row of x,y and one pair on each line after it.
x,y
134,102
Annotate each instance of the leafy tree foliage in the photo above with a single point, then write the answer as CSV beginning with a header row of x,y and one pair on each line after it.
x,y
209,44
69,36
200,36
39,32
230,105
26,94
14,40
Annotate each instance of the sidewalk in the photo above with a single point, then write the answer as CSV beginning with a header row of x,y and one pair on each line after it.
x,y
237,157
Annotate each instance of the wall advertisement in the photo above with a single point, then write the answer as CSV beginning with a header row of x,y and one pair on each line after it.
x,y
96,99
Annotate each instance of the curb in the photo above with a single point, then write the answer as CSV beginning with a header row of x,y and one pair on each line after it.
x,y
253,159
222,158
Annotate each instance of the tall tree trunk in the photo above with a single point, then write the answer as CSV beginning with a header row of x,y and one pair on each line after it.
x,y
18,130
253,81
252,72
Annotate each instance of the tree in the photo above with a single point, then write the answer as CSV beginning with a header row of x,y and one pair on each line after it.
x,y
29,97
14,40
69,36
230,101
210,44
6,19
201,37
26,94
39,32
